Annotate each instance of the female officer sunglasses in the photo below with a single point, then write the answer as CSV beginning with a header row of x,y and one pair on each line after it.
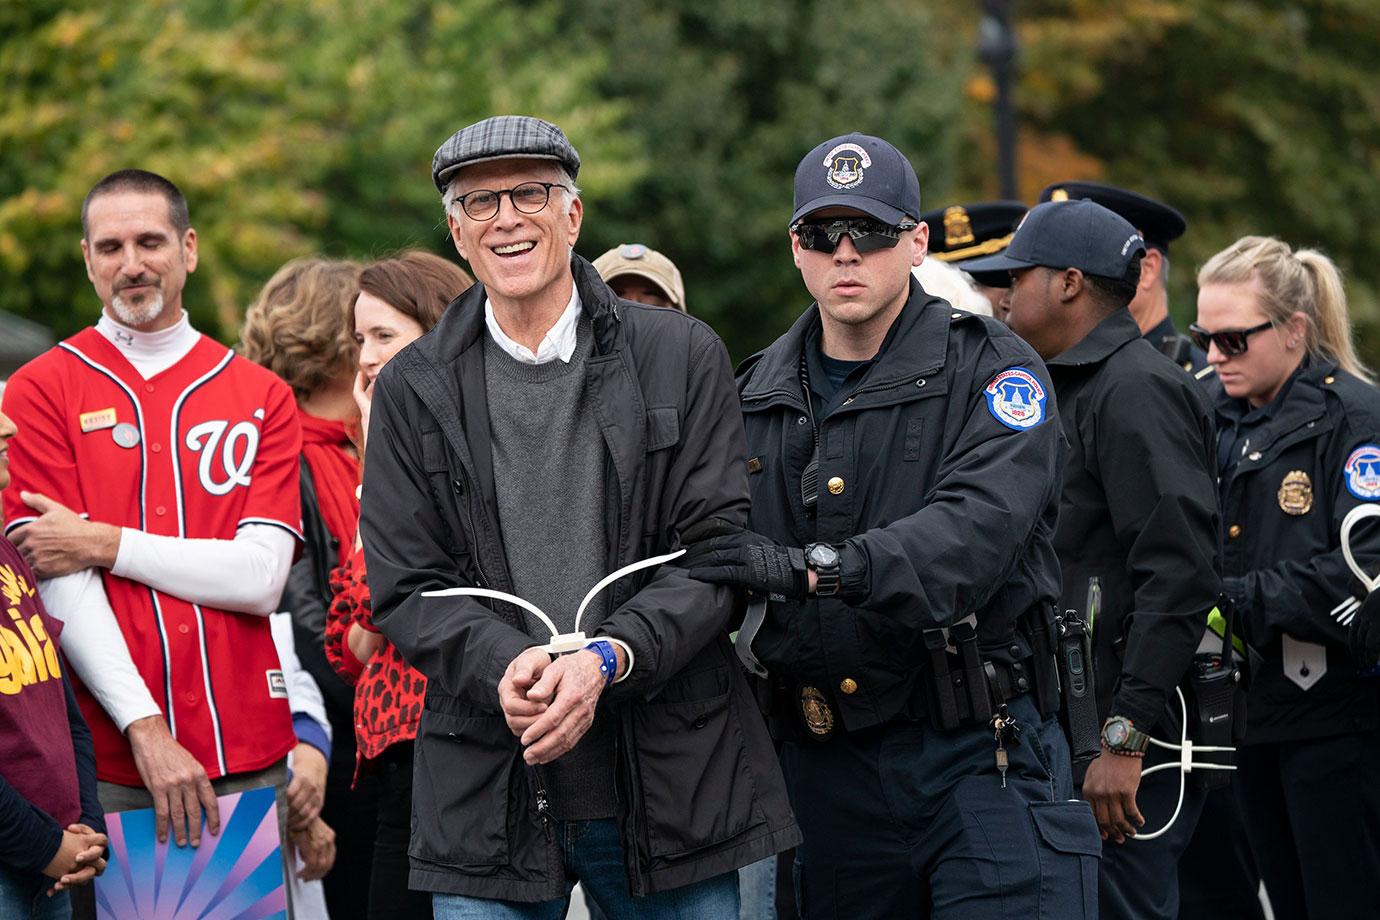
x,y
867,235
1230,342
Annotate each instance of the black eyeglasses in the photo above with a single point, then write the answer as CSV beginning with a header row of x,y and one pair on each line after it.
x,y
529,198
867,235
1230,342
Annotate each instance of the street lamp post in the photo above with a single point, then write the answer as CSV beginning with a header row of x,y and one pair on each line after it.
x,y
997,48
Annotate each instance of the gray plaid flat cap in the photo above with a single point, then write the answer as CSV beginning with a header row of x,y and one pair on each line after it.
x,y
498,138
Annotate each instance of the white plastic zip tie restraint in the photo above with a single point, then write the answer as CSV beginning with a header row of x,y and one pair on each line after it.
x,y
1185,765
1346,611
561,643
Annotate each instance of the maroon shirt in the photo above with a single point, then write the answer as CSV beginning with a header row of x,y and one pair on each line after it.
x,y
39,761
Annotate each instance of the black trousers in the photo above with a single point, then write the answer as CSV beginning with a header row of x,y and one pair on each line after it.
x,y
1312,813
903,820
389,896
1137,880
351,813
1218,879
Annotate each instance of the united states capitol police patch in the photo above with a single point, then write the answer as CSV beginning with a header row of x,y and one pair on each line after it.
x,y
1016,399
1362,472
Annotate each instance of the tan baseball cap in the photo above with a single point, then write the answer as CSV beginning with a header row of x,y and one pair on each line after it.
x,y
644,262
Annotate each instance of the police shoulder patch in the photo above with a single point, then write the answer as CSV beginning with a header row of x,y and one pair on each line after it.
x,y
1362,472
1016,398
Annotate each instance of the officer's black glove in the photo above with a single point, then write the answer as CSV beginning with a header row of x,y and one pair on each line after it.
x,y
1365,631
727,555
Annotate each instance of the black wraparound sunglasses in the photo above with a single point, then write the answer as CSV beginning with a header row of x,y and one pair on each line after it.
x,y
867,235
1230,342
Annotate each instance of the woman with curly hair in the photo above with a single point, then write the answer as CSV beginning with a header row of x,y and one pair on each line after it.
x,y
400,299
299,328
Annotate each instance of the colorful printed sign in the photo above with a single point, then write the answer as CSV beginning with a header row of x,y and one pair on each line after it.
x,y
236,874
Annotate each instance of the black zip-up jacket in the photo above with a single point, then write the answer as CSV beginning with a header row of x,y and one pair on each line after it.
x,y
939,509
1283,496
698,788
1138,512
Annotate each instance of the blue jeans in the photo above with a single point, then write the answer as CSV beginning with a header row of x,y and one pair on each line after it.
x,y
593,856
22,898
757,888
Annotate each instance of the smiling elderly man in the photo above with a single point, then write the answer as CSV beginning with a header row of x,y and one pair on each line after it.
x,y
543,435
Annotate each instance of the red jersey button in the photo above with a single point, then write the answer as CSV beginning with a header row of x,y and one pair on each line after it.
x,y
160,511
156,448
148,388
190,698
184,629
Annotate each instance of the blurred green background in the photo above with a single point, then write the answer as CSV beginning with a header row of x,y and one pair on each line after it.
x,y
301,126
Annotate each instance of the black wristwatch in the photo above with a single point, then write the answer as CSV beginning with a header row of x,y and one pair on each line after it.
x,y
1121,736
823,560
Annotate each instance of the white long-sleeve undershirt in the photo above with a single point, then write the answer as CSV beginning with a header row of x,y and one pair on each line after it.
x,y
150,353
244,575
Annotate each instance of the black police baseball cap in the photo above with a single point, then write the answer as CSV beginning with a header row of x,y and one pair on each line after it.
x,y
857,171
1070,234
962,233
1158,222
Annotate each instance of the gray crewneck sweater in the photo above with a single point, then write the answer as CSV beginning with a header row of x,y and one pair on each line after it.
x,y
548,459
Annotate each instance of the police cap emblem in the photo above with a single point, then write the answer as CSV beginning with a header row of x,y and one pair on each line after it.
x,y
1296,493
1362,472
1016,399
846,163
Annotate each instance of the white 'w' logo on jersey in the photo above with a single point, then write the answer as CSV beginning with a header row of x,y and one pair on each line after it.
x,y
205,438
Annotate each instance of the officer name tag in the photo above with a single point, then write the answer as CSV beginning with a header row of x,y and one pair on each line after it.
x,y
98,420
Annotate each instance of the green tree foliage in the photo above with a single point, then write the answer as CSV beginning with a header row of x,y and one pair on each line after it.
x,y
294,126
727,96
1251,116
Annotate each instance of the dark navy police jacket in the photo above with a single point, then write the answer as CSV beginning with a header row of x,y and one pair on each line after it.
x,y
1285,488
939,479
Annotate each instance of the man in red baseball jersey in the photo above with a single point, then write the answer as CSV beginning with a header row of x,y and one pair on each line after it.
x,y
155,494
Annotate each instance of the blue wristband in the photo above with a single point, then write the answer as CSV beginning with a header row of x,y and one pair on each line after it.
x,y
609,667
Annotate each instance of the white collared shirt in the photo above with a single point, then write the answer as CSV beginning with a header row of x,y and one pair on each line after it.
x,y
559,341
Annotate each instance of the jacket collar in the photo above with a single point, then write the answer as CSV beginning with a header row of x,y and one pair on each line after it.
x,y
914,347
462,325
1112,333
1301,401
1165,330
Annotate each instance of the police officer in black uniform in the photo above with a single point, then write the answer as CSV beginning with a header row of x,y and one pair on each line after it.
x,y
963,233
1159,225
1299,447
903,461
1137,535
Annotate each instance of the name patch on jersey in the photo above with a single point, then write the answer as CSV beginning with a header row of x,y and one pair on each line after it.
x,y
1362,472
1016,399
277,685
97,420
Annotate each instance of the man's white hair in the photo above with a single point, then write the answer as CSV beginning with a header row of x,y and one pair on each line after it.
x,y
450,198
944,280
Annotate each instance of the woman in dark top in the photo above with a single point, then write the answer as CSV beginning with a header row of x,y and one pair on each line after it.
x,y
400,299
1298,447
52,828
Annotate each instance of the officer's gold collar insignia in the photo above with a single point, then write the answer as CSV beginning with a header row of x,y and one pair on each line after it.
x,y
1296,493
958,229
97,420
814,709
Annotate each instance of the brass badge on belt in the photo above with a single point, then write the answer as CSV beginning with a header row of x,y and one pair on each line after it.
x,y
814,709
1296,493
